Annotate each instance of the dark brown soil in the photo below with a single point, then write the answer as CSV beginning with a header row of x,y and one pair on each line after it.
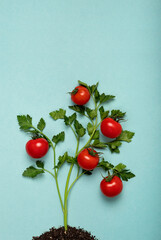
x,y
71,234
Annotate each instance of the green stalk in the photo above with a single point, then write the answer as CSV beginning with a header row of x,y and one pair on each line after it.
x,y
66,198
55,176
67,184
95,127
74,182
67,190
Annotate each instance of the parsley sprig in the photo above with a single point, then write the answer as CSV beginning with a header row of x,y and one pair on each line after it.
x,y
94,117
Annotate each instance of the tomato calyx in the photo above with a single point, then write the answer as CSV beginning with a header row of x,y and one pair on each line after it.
x,y
109,177
74,91
93,153
36,136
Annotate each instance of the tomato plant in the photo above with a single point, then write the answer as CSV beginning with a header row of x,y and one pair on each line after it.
x,y
37,148
80,95
110,128
88,159
85,158
111,188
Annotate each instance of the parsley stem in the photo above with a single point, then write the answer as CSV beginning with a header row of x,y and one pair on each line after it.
x,y
49,172
94,129
55,176
66,197
98,124
77,138
77,147
73,131
74,182
42,134
89,118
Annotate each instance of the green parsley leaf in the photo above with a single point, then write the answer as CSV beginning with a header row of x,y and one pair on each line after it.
x,y
116,114
96,135
65,158
104,98
24,121
98,144
59,114
41,124
61,160
114,146
59,137
93,88
80,130
126,136
119,167
125,175
90,128
69,120
40,164
97,95
77,108
92,113
71,160
105,165
83,84
103,113
32,172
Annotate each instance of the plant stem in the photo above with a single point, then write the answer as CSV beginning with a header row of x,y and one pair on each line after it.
x,y
94,129
55,176
66,198
73,131
49,172
67,184
74,182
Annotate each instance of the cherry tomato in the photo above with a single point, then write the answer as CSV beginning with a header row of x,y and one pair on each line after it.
x,y
86,160
111,188
110,128
82,95
37,148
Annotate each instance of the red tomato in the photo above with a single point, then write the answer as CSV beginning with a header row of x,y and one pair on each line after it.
x,y
86,160
110,128
112,188
37,148
81,97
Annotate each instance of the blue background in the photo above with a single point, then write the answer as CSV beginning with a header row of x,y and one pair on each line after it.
x,y
45,47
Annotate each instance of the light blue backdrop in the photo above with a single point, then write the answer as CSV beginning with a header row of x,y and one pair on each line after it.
x,y
45,47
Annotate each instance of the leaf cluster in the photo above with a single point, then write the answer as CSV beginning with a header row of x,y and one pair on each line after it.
x,y
118,170
32,172
125,136
25,124
101,98
65,158
69,120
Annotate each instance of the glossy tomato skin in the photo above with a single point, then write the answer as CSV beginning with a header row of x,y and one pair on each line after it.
x,y
37,148
112,188
81,97
86,161
110,128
